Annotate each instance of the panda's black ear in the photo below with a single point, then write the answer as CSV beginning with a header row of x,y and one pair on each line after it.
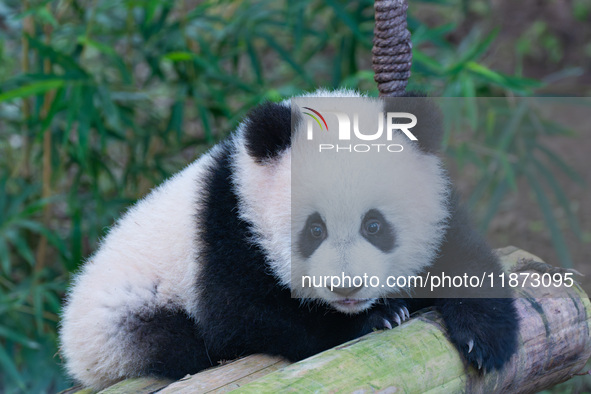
x,y
429,127
267,131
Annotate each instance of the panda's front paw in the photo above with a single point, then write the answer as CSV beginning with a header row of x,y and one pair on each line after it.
x,y
393,312
483,330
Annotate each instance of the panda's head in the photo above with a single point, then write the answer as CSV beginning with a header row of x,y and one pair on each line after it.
x,y
323,213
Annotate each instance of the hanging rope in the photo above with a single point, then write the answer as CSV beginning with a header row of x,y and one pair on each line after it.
x,y
392,48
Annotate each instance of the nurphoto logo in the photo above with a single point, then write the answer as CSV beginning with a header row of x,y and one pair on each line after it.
x,y
393,124
315,118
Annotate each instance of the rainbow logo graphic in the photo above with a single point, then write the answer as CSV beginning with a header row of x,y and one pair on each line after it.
x,y
315,118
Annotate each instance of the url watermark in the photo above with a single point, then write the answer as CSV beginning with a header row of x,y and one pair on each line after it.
x,y
442,281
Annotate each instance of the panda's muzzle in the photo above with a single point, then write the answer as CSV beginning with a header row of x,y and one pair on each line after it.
x,y
345,291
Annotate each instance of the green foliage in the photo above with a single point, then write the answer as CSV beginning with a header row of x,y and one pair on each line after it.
x,y
582,10
549,47
102,100
29,297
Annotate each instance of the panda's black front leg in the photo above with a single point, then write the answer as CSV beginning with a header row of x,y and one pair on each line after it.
x,y
483,330
388,314
297,333
334,328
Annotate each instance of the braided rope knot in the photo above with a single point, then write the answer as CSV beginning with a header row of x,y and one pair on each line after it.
x,y
392,48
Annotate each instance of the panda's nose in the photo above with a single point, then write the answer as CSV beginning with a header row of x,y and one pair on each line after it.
x,y
345,291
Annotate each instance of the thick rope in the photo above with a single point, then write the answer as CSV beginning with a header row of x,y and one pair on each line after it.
x,y
392,48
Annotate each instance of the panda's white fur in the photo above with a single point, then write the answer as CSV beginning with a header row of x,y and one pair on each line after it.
x,y
154,271
154,242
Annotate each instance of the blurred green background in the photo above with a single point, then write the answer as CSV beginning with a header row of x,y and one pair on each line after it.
x,y
101,100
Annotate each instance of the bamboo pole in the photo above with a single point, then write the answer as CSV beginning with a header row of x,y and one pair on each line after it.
x,y
41,254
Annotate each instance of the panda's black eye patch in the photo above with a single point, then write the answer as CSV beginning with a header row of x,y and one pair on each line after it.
x,y
377,231
312,235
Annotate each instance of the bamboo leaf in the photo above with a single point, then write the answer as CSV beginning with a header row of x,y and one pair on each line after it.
x,y
480,189
508,172
51,236
560,197
349,21
546,209
558,162
493,203
17,337
175,123
179,56
254,61
509,132
84,117
427,62
9,368
76,239
38,308
4,255
21,247
109,108
32,89
206,124
287,57
513,83
57,57
473,53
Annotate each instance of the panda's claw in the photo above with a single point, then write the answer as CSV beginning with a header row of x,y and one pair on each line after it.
x,y
387,324
402,315
470,345
397,319
406,313
479,361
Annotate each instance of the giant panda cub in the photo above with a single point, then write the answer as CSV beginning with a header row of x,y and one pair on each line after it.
x,y
208,266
